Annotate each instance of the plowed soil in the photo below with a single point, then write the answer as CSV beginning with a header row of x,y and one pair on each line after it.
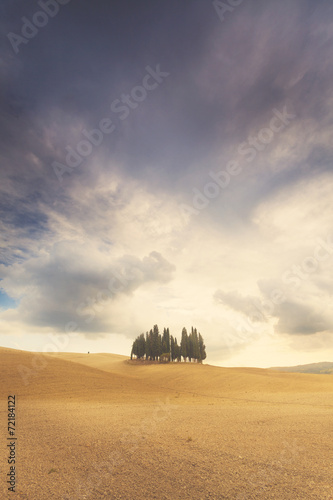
x,y
94,426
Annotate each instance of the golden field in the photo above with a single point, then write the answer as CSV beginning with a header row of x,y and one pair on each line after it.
x,y
94,426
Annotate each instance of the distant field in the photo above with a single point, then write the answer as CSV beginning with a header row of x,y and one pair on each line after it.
x,y
96,426
322,368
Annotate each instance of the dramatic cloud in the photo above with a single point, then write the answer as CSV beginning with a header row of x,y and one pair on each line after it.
x,y
249,306
185,158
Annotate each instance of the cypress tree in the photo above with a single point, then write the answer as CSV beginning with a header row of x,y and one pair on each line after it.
x,y
153,345
135,348
202,349
190,346
177,351
172,349
166,341
141,346
157,343
167,337
148,346
183,344
196,350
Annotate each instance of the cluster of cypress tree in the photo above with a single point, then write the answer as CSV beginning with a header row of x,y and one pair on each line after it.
x,y
156,347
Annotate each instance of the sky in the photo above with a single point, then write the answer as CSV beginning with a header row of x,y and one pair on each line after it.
x,y
168,163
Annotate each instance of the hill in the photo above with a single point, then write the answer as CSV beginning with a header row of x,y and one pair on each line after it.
x,y
95,426
320,368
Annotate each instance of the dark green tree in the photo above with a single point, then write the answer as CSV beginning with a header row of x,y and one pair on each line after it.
x,y
195,342
177,351
148,346
153,345
183,344
156,343
202,349
166,340
190,347
172,348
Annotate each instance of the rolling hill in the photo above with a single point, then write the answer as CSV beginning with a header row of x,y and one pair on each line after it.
x,y
325,368
96,426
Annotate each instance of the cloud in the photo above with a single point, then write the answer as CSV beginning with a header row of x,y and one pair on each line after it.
x,y
67,283
301,319
301,316
118,212
246,305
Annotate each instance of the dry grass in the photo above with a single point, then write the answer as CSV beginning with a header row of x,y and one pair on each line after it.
x,y
95,426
